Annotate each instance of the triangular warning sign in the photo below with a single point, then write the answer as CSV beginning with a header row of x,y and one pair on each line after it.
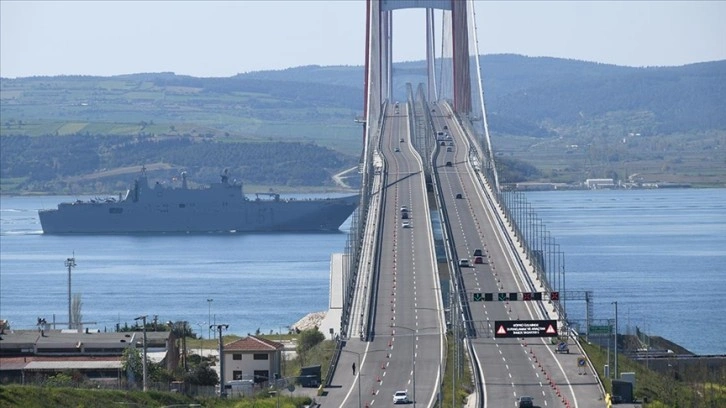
x,y
501,330
550,330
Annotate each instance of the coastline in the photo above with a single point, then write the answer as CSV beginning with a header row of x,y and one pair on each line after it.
x,y
309,321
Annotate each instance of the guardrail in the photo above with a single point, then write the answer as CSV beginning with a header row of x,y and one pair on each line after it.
x,y
493,199
367,240
460,302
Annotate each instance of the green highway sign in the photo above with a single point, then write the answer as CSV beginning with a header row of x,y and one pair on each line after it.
x,y
600,330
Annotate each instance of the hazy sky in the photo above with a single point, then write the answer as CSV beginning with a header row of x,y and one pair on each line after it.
x,y
207,38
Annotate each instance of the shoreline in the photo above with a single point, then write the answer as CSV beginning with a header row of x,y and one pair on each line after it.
x,y
309,321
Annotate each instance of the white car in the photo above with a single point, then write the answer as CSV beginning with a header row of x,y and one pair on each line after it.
x,y
400,397
406,224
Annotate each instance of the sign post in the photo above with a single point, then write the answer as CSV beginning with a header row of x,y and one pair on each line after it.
x,y
525,328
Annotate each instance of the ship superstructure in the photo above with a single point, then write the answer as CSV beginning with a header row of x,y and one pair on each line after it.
x,y
221,207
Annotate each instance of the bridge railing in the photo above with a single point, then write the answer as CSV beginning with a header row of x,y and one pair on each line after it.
x,y
546,261
460,311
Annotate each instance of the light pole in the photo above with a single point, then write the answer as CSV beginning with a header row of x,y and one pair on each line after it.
x,y
201,340
413,358
220,327
413,354
616,339
209,317
70,263
358,373
143,362
281,363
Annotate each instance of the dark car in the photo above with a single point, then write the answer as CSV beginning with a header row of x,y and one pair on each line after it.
x,y
525,402
477,252
448,164
459,196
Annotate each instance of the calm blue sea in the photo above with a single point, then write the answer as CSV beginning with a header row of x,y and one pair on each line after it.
x,y
661,254
255,281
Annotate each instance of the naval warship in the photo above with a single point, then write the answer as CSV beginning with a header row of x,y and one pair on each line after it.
x,y
221,207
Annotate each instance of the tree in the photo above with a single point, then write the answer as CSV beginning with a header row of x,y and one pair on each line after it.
x,y
202,374
131,364
59,380
307,340
76,315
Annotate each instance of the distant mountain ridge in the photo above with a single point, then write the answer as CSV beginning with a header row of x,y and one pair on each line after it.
x,y
591,105
536,89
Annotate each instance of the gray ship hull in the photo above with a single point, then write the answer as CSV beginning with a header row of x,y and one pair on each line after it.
x,y
251,216
220,208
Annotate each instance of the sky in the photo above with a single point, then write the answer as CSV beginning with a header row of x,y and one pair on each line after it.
x,y
224,38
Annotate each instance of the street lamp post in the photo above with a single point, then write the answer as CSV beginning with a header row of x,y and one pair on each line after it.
x,y
201,340
358,373
209,317
70,263
220,327
413,358
616,339
143,362
413,355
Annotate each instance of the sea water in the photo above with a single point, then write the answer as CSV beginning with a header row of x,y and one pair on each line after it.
x,y
250,282
661,254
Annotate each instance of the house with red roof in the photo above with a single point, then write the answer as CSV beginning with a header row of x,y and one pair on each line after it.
x,y
253,358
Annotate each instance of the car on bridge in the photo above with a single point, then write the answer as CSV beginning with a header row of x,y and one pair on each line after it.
x,y
459,196
448,164
464,263
525,402
400,397
478,260
406,224
448,149
477,252
397,150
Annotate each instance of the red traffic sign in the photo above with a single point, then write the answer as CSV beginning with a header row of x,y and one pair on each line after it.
x,y
525,328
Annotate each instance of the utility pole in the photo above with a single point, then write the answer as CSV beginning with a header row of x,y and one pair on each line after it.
x,y
143,362
617,375
220,327
209,317
70,264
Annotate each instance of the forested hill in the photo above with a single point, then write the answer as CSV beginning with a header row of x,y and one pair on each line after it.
x,y
535,90
69,133
685,98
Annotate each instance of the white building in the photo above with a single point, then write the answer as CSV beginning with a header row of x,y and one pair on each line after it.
x,y
253,358
594,184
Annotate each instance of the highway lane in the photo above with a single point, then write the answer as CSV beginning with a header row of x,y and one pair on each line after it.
x,y
406,349
510,367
